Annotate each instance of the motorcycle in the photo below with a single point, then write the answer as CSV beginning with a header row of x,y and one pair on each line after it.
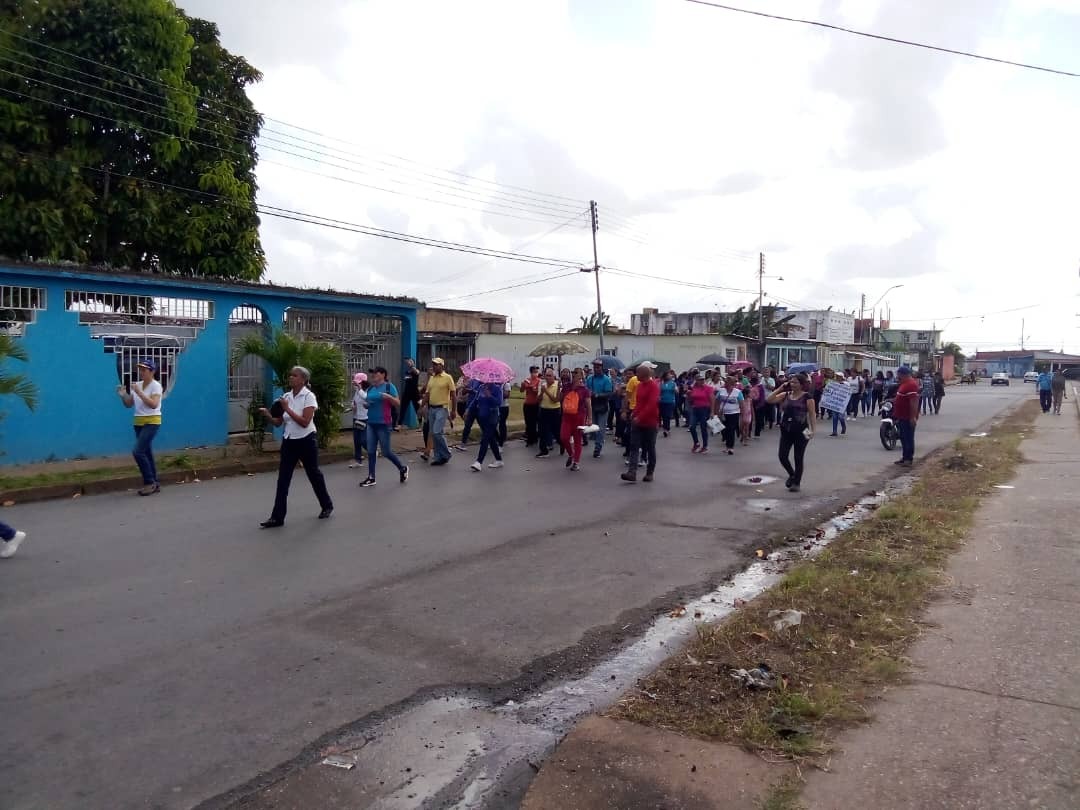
x,y
887,432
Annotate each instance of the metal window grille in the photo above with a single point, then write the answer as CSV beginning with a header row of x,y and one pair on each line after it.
x,y
18,307
249,374
731,354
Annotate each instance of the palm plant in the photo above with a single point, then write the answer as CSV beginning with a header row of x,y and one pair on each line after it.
x,y
16,384
282,350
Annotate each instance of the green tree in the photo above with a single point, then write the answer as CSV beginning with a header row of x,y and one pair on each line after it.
x,y
18,385
957,353
744,321
282,351
591,325
110,111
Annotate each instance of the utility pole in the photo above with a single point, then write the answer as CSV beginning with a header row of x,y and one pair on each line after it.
x,y
862,309
760,306
596,275
1021,334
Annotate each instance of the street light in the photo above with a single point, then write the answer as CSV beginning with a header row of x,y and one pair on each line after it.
x,y
873,309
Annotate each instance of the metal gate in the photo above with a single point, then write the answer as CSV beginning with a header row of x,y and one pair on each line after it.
x,y
249,375
366,341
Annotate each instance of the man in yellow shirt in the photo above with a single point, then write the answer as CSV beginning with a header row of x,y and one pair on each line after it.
x,y
629,403
439,402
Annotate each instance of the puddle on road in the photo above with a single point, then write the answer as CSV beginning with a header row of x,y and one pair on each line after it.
x,y
756,480
464,752
760,506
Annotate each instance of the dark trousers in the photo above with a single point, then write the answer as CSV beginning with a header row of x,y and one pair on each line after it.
x,y
532,423
306,451
620,427
643,445
853,405
699,418
1046,398
359,442
550,422
466,428
731,429
875,400
937,402
667,411
489,429
793,439
504,414
906,429
759,419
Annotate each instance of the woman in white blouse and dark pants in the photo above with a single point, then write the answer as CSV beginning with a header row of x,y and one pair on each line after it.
x,y
299,443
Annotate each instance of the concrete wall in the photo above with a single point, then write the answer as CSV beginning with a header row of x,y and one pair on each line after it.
x,y
79,413
682,351
435,319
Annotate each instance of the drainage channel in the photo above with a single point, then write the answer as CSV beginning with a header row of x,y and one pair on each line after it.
x,y
464,752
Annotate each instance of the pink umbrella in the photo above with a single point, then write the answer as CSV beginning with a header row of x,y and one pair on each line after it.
x,y
488,370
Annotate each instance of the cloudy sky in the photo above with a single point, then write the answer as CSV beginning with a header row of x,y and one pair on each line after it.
x,y
705,136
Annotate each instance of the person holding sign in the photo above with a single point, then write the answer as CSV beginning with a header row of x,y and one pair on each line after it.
x,y
835,401
797,417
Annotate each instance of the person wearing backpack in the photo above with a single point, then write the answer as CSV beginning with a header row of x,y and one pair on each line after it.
x,y
575,414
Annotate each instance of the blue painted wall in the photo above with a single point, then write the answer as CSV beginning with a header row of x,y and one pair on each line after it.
x,y
79,413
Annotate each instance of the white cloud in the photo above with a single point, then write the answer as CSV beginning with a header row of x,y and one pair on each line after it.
x,y
855,164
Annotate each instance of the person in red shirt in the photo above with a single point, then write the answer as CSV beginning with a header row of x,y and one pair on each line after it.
x,y
575,399
531,408
906,414
645,422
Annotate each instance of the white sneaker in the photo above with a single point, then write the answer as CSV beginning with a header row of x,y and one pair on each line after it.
x,y
495,465
12,545
476,466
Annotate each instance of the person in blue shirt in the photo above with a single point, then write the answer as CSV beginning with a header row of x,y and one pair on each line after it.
x,y
668,392
382,398
488,402
602,391
1045,385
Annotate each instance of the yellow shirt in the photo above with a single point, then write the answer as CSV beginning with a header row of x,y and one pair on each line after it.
x,y
441,390
631,391
553,390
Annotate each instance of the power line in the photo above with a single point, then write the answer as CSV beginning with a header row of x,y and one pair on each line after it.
x,y
964,317
314,219
680,282
194,95
502,289
885,38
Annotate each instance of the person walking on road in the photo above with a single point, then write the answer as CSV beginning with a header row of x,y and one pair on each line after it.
x,y
797,422
668,394
410,396
700,399
644,424
549,413
601,390
926,393
839,418
359,419
439,401
1057,390
939,391
728,406
489,401
382,398
906,414
145,397
12,540
574,399
1046,390
877,392
530,387
299,443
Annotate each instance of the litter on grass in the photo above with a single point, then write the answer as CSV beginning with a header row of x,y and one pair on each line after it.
x,y
786,618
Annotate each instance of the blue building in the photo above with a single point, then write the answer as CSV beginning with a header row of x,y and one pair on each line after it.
x,y
86,329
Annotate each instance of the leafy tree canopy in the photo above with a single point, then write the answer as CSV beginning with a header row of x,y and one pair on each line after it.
x,y
591,325
744,321
126,138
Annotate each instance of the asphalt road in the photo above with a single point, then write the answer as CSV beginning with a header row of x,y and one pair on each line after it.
x,y
156,652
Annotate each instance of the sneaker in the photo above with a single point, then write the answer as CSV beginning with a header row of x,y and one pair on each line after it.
x,y
368,482
703,451
425,457
150,489
731,452
665,434
354,464
569,461
440,462
545,454
629,476
793,488
596,453
695,448
403,474
460,448
12,545
325,513
476,466
496,465
834,434
647,477
574,467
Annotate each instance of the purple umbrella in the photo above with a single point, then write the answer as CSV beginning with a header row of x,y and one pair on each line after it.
x,y
488,370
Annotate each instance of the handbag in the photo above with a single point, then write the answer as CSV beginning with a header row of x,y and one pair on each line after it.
x,y
715,424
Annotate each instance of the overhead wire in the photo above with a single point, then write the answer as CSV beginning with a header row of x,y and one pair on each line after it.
x,y
886,38
503,289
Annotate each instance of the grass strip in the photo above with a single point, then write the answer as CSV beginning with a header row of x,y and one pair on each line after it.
x,y
862,598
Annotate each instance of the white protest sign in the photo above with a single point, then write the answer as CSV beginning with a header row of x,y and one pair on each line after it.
x,y
836,397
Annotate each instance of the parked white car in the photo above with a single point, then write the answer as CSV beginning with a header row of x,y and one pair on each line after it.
x,y
1031,376
1000,378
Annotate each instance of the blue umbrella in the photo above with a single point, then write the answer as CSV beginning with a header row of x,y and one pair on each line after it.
x,y
802,368
611,362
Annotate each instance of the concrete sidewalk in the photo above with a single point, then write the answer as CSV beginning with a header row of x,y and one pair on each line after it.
x,y
991,716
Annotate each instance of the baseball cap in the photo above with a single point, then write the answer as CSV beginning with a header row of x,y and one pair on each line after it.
x,y
146,362
904,370
646,364
359,377
438,361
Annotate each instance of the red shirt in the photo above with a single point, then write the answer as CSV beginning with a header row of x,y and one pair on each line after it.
x,y
647,408
532,389
907,400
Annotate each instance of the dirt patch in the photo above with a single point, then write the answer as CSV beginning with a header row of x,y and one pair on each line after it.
x,y
860,602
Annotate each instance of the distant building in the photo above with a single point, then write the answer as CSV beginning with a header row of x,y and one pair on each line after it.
x,y
1017,362
451,334
825,325
653,322
924,342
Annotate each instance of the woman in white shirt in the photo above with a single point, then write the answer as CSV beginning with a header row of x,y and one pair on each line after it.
x,y
298,443
727,404
359,419
145,396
